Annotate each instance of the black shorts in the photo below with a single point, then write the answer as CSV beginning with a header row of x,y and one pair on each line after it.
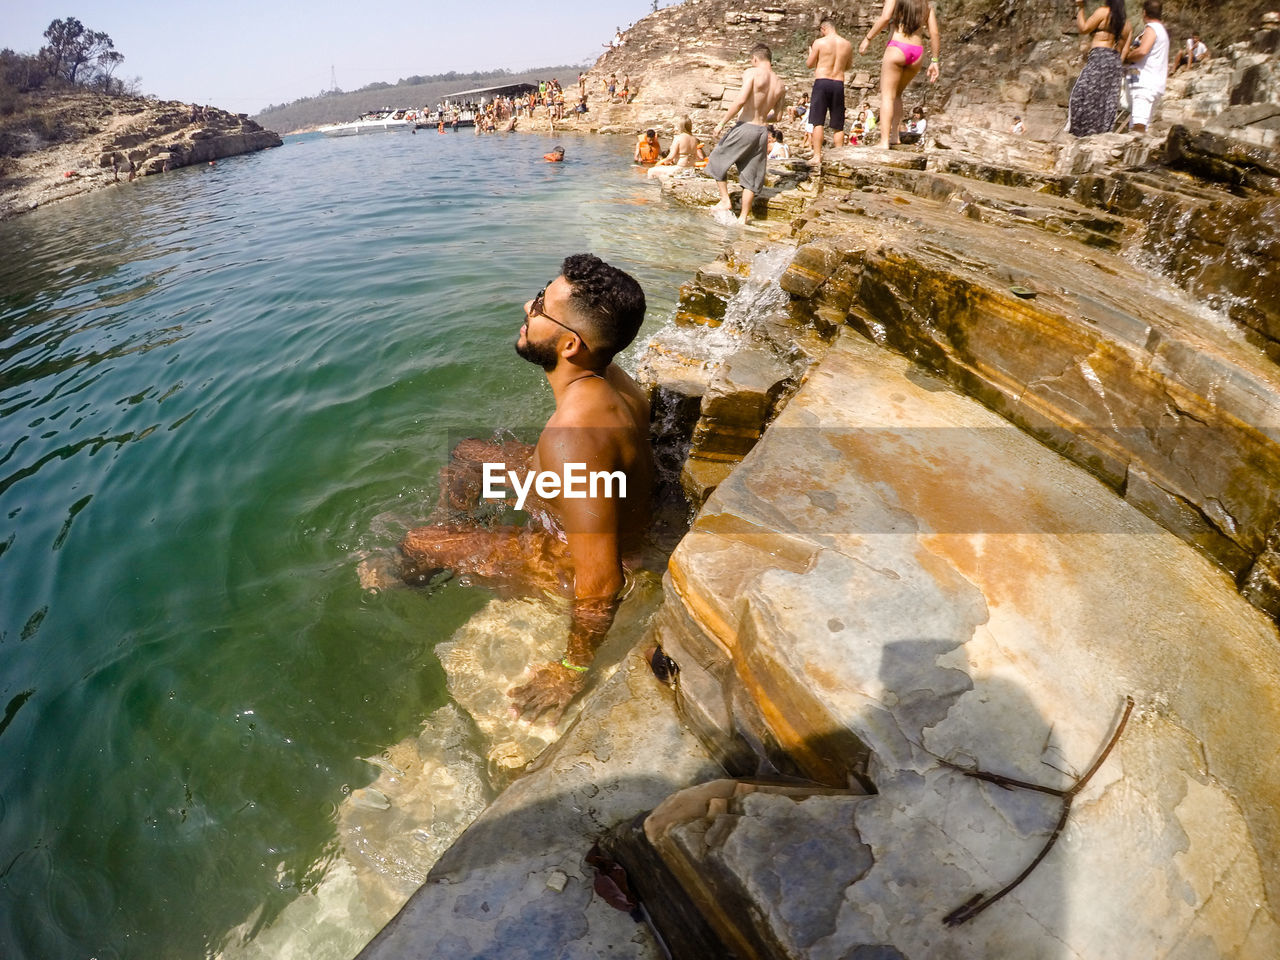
x,y
828,97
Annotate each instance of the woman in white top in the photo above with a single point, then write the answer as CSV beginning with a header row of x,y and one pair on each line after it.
x,y
777,149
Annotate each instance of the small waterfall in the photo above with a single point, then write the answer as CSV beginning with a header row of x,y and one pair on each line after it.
x,y
758,296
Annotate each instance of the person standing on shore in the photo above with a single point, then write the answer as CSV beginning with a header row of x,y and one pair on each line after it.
x,y
747,144
1150,54
829,58
903,57
1096,95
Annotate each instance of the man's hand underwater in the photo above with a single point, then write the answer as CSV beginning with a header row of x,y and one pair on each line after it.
x,y
549,692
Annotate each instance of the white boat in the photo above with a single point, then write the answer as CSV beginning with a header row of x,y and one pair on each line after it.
x,y
378,121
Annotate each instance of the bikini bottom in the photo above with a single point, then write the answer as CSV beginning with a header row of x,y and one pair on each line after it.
x,y
911,52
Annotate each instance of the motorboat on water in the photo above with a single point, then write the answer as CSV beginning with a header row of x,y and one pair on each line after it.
x,y
377,121
450,118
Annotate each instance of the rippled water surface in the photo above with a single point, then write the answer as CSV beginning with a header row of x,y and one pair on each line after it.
x,y
216,387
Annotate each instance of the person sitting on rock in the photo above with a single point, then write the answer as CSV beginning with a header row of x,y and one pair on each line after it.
x,y
915,126
778,150
1192,53
582,543
685,152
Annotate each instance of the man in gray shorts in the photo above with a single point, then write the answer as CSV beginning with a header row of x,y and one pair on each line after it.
x,y
747,144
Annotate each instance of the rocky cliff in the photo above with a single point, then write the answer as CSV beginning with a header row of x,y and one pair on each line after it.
x,y
65,145
1000,59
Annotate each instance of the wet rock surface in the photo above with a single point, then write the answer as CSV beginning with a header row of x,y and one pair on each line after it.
x,y
516,884
1032,291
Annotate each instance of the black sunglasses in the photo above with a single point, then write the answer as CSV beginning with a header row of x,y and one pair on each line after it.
x,y
537,309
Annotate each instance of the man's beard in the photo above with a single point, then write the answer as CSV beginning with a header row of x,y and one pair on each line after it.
x,y
543,354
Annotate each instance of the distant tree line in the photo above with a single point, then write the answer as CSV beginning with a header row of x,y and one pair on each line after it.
x,y
73,57
335,106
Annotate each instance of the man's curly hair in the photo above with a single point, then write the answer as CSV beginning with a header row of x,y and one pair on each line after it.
x,y
609,300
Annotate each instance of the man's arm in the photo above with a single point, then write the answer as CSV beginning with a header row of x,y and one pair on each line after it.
x,y
811,61
591,525
935,44
1144,46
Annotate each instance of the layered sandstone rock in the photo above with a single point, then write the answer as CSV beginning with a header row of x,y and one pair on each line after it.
x,y
100,139
935,592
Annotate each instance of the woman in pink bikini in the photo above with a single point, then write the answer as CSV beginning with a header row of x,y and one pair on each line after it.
x,y
903,57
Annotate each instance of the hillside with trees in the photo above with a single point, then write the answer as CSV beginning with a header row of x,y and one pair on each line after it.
x,y
74,58
336,106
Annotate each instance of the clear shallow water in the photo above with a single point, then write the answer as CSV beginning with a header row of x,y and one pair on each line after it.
x,y
216,387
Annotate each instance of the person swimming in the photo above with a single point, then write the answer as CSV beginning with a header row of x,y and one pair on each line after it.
x,y
555,156
648,149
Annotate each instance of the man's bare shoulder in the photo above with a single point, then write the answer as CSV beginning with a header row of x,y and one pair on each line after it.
x,y
599,403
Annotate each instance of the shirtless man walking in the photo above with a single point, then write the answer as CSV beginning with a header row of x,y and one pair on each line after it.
x,y
747,144
586,482
829,56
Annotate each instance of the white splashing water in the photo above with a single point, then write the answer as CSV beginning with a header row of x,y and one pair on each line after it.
x,y
758,296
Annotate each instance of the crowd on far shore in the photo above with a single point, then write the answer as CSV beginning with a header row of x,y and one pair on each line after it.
x,y
547,101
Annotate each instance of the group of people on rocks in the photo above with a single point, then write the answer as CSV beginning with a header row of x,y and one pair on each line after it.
x,y
754,139
1125,63
502,112
620,92
1120,59
685,151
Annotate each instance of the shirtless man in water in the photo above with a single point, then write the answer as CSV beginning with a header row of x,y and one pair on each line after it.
x,y
829,57
747,144
600,430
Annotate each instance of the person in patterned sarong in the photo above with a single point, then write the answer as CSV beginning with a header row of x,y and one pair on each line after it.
x,y
1096,95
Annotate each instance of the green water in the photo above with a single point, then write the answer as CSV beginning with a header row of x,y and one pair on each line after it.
x,y
216,387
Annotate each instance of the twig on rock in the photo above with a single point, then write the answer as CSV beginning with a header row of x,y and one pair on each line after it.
x,y
976,904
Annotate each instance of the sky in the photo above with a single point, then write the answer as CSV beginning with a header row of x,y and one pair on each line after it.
x,y
243,55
